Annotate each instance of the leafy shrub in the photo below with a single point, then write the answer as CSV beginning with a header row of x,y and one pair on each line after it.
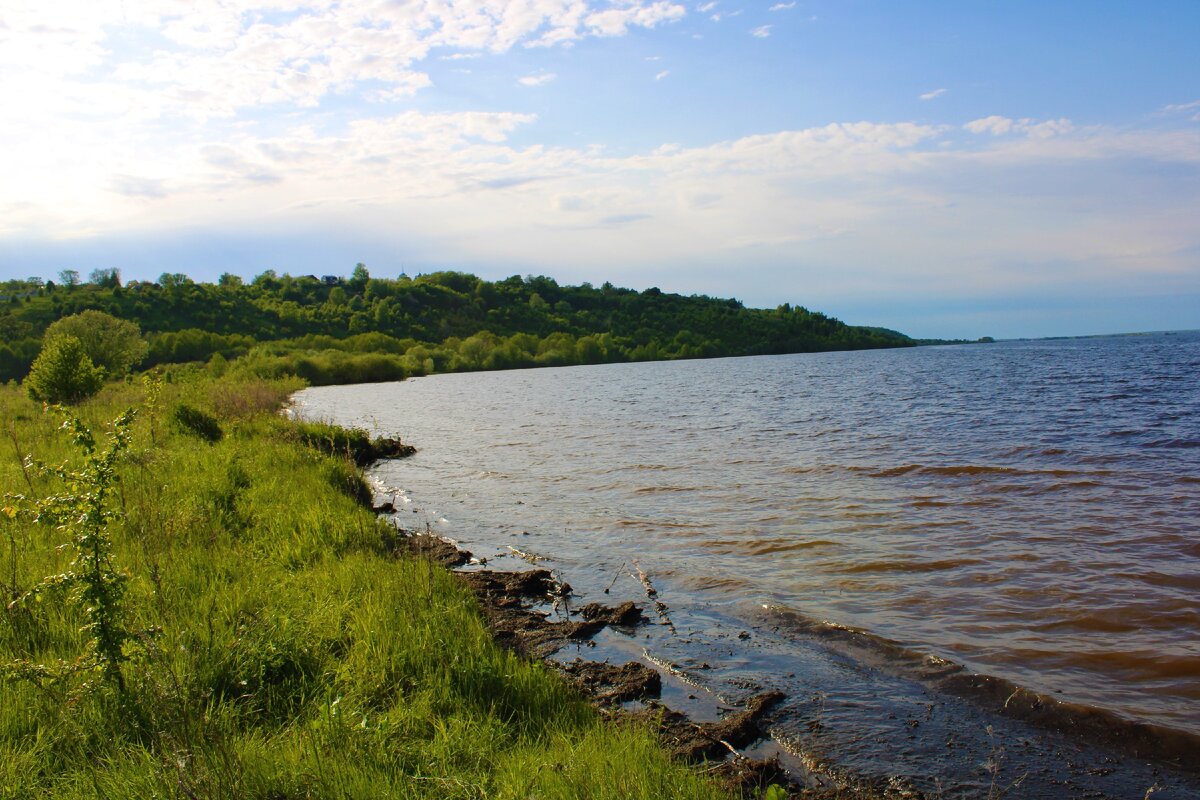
x,y
111,343
195,422
63,373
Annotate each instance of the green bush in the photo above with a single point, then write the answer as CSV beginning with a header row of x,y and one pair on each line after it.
x,y
63,373
191,420
111,343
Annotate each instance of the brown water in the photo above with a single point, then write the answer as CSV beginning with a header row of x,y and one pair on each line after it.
x,y
1028,509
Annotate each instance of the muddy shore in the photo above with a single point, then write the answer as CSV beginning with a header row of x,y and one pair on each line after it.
x,y
530,612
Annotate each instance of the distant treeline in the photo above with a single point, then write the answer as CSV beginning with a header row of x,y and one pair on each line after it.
x,y
345,330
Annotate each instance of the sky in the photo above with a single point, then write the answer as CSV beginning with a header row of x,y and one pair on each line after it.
x,y
947,169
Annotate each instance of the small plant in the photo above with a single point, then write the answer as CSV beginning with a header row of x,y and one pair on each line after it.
x,y
95,585
192,420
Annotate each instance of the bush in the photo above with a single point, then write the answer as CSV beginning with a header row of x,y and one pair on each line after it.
x,y
111,343
63,373
193,421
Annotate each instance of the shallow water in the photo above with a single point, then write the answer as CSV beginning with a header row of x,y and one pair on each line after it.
x,y
1028,509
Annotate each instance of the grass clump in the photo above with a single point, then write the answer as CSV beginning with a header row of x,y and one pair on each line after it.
x,y
190,419
279,650
353,443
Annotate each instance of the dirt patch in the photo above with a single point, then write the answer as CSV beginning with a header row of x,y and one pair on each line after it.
x,y
426,545
385,447
508,601
608,684
751,777
508,589
627,614
711,741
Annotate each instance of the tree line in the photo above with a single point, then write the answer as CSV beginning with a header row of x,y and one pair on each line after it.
x,y
358,328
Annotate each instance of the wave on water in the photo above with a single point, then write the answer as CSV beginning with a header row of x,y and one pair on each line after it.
x,y
999,695
949,470
909,566
759,547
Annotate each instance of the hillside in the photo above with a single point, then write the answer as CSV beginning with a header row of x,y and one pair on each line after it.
x,y
442,321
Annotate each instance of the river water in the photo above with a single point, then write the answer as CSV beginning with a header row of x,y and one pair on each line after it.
x,y
833,524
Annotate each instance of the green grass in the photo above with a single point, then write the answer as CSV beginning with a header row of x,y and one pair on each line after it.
x,y
288,656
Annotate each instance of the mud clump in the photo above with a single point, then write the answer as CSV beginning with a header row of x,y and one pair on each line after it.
x,y
712,741
514,588
384,447
627,614
506,597
425,545
608,684
751,777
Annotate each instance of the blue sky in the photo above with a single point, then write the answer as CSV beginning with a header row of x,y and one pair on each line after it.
x,y
946,169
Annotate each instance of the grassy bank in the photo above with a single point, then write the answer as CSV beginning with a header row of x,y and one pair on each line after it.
x,y
266,644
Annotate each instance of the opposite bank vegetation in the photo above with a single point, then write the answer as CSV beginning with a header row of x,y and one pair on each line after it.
x,y
198,604
359,329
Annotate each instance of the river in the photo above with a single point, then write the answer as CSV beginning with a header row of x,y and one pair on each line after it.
x,y
834,524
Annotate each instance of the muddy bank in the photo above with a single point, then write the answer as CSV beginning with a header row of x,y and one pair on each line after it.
x,y
513,605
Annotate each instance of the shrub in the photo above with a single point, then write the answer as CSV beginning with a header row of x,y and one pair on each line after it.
x,y
111,343
63,373
191,420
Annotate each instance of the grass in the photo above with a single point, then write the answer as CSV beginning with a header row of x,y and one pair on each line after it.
x,y
277,651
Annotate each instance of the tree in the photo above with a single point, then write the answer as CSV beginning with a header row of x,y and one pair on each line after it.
x,y
63,373
69,278
111,343
229,280
106,278
170,280
360,276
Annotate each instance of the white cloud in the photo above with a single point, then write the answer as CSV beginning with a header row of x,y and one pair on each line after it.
x,y
999,126
540,79
762,31
782,6
933,94
454,187
662,74
706,7
1186,108
209,59
995,125
616,21
1195,104
145,118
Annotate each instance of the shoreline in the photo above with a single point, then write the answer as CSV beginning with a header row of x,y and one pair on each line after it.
x,y
495,536
519,605
626,692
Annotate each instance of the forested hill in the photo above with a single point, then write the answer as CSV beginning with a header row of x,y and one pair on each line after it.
x,y
436,322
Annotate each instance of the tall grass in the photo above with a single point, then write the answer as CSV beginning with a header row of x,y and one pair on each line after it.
x,y
281,652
